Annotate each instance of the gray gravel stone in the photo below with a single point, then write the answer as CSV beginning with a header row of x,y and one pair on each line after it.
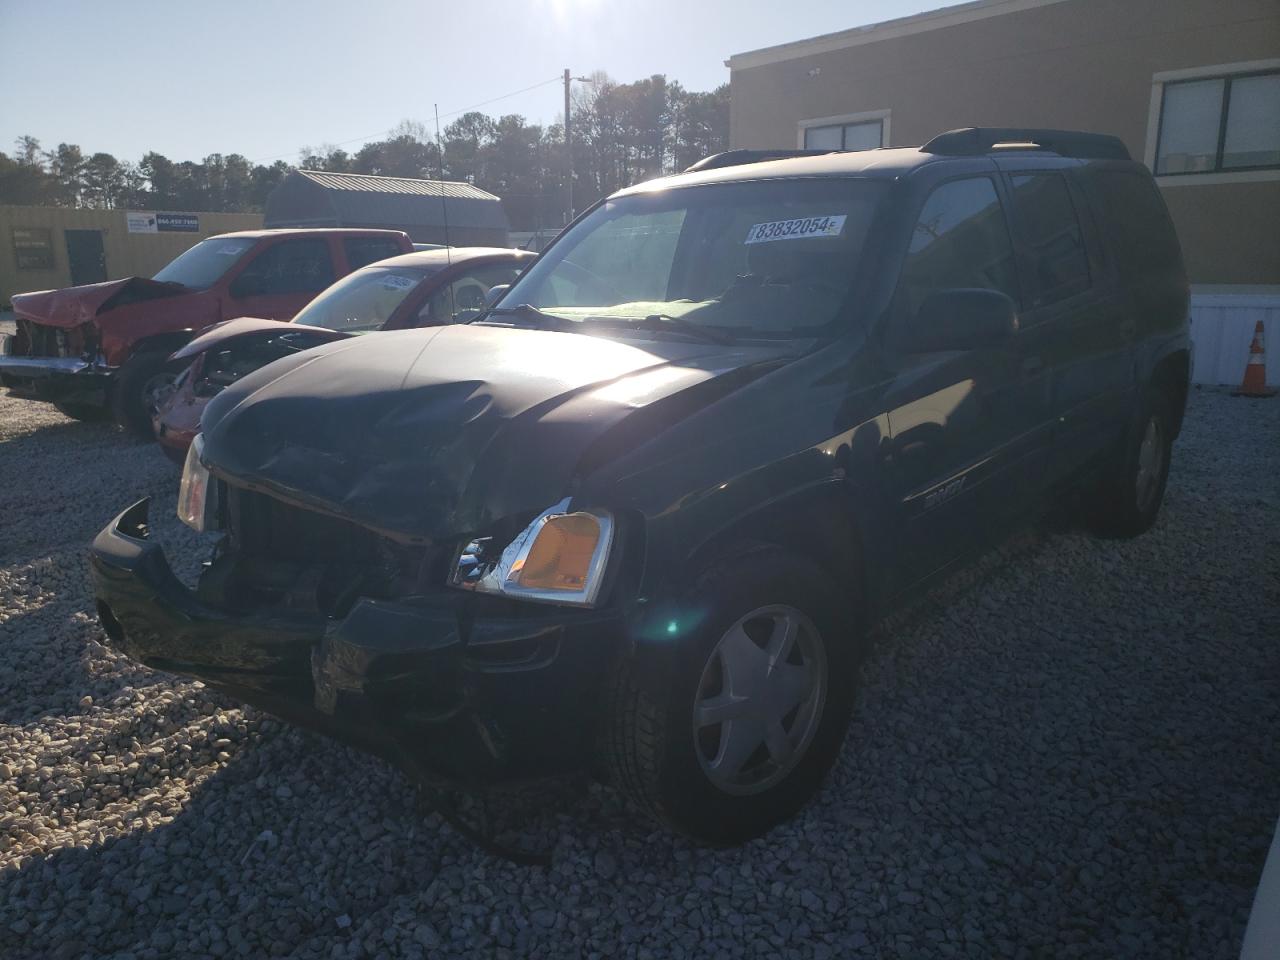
x,y
606,865
1070,750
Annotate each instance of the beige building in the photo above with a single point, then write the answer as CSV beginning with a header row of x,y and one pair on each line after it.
x,y
42,248
1191,86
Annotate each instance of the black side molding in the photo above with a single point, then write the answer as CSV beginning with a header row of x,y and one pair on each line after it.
x,y
975,141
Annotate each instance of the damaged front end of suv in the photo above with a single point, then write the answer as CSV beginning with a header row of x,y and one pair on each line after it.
x,y
387,571
531,544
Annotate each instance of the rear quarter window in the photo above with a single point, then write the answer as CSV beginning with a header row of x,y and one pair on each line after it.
x,y
1135,223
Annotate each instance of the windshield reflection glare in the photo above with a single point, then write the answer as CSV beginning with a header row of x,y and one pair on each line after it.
x,y
762,258
363,301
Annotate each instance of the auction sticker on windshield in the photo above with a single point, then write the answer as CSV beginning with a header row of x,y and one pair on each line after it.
x,y
800,229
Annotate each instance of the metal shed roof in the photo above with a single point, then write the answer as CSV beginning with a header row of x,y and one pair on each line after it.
x,y
319,198
367,183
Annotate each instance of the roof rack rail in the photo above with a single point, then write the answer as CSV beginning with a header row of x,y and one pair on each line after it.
x,y
732,158
975,141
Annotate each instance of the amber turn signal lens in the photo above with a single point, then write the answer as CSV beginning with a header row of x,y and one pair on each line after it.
x,y
561,555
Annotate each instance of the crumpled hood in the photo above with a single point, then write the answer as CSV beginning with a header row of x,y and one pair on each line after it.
x,y
72,306
426,434
220,334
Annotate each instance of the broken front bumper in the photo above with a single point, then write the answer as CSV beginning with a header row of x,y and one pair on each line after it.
x,y
56,379
451,695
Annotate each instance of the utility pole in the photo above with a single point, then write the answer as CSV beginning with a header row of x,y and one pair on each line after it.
x,y
568,146
568,153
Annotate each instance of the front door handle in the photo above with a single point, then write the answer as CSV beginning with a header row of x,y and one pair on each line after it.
x,y
1032,366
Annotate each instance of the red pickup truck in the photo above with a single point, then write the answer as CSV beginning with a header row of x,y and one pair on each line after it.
x,y
106,346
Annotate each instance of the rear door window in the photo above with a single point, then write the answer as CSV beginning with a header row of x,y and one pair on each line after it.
x,y
1049,228
362,251
960,239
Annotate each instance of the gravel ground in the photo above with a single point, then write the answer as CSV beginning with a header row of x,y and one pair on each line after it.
x,y
1073,752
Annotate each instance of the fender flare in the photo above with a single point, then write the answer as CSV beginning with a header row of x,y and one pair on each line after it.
x,y
1170,360
817,520
170,341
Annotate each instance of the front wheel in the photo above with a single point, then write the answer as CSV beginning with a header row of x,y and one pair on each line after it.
x,y
138,384
756,705
1127,501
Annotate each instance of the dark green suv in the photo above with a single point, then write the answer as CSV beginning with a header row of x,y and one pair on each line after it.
x,y
637,517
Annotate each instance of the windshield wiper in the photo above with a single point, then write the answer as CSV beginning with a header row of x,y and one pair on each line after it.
x,y
654,321
529,311
660,321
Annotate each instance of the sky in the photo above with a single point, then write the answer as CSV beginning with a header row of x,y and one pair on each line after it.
x,y
263,79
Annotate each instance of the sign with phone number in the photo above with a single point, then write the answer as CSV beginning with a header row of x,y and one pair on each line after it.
x,y
147,222
799,229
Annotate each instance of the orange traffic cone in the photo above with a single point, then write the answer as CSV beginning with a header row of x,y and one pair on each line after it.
x,y
1255,372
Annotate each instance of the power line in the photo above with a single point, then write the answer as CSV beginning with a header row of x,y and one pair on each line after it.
x,y
453,113
505,96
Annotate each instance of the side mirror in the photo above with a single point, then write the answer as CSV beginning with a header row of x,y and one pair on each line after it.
x,y
494,294
962,319
247,285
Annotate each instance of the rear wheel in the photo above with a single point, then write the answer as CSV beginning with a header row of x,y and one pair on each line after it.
x,y
756,707
1127,501
139,381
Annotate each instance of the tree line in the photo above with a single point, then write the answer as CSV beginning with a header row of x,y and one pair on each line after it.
x,y
622,133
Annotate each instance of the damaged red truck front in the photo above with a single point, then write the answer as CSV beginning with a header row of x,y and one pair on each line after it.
x,y
105,347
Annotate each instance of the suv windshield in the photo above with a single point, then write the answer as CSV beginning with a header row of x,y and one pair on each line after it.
x,y
205,263
764,258
364,300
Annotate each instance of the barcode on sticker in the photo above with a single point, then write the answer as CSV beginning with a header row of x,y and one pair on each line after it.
x,y
799,229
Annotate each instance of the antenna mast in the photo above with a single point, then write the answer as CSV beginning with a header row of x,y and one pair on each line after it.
x,y
444,205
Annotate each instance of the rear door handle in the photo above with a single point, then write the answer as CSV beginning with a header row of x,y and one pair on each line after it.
x,y
1032,366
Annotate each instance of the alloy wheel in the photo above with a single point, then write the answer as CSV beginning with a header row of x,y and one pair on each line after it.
x,y
759,699
154,391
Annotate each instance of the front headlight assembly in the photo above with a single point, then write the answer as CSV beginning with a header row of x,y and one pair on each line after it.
x,y
198,492
558,558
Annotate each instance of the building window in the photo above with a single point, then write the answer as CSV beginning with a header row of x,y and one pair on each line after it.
x,y
33,248
1219,124
863,135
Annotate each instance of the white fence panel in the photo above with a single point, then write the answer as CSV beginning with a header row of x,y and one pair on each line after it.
x,y
1222,326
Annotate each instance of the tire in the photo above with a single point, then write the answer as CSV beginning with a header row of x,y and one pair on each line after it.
x,y
83,411
136,380
1127,500
681,771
